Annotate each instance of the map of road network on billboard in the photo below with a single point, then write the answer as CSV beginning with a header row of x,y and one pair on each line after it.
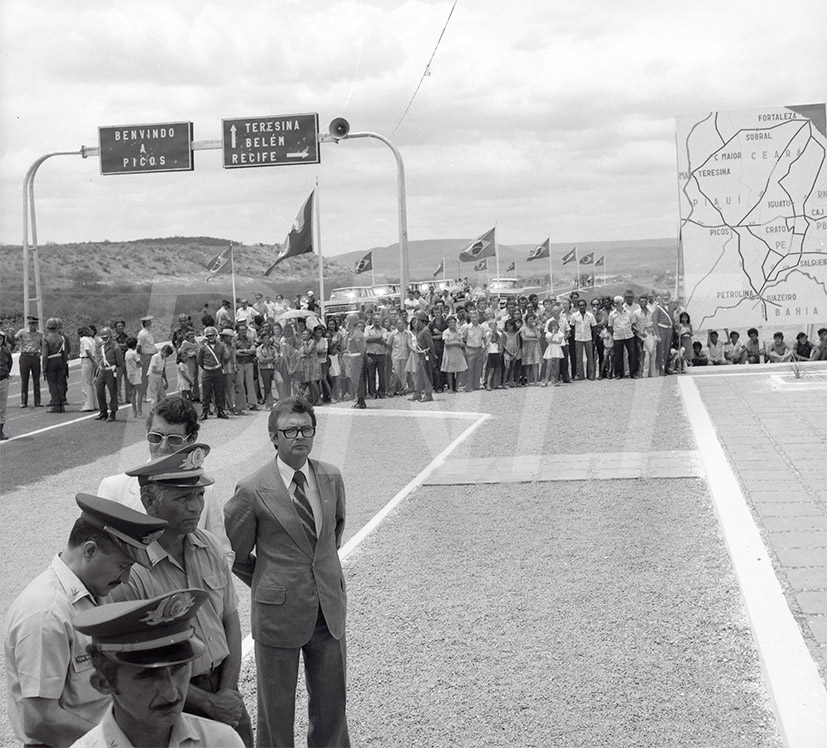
x,y
753,202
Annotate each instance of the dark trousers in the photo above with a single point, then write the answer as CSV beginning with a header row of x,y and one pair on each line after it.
x,y
105,380
57,375
572,353
564,365
357,377
423,376
630,346
210,682
588,349
598,347
192,370
212,385
376,364
29,366
325,666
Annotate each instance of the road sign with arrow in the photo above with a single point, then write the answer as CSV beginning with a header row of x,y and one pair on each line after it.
x,y
271,141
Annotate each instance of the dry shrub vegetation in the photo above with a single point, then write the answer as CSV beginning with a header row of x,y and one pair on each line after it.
x,y
98,282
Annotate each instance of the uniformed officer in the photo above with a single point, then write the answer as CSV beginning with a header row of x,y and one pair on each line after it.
x,y
172,488
142,652
30,342
51,701
56,364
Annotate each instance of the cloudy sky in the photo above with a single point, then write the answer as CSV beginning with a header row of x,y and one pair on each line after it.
x,y
547,117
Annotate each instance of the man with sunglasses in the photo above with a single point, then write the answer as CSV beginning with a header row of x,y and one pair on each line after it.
x,y
172,424
285,523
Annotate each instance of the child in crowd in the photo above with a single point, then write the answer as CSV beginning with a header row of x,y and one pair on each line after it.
x,y
184,378
753,346
735,352
779,351
134,377
699,358
608,370
553,353
493,346
511,354
685,340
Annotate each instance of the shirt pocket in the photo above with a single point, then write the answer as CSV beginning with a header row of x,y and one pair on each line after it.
x,y
269,595
215,581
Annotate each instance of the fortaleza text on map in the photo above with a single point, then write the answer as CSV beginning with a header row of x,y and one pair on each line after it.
x,y
753,205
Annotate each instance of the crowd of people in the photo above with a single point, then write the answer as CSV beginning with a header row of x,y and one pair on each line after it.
x,y
246,356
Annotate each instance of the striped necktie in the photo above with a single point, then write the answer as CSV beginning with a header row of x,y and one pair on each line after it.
x,y
303,508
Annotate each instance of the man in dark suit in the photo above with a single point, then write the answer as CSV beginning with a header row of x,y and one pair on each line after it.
x,y
291,512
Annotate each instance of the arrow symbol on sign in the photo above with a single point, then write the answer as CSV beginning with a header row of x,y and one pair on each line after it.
x,y
232,136
299,154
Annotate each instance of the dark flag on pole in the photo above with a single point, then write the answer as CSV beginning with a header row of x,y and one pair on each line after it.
x,y
439,269
600,261
540,251
570,256
300,238
481,247
481,265
222,262
511,266
587,259
365,264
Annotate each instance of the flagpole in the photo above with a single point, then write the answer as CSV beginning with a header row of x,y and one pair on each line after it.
x,y
550,271
317,242
496,250
577,266
444,274
232,275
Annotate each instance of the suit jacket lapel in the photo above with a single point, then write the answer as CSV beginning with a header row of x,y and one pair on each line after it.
x,y
323,484
277,499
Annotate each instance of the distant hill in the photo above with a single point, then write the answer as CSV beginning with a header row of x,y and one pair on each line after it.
x,y
646,260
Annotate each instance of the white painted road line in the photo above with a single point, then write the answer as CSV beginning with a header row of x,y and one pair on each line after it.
x,y
247,645
795,686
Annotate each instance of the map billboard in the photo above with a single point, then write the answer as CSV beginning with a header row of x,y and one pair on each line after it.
x,y
753,207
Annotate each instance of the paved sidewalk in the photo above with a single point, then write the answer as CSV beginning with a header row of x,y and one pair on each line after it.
x,y
776,440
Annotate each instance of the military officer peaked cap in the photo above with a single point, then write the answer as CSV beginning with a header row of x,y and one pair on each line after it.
x,y
133,531
146,633
183,468
32,318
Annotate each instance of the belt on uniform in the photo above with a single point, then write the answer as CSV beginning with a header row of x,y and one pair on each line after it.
x,y
29,353
473,347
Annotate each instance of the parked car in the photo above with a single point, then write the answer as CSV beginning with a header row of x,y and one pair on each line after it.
x,y
387,293
506,288
350,299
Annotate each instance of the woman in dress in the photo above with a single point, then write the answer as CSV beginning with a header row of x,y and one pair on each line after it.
x,y
311,372
530,340
453,356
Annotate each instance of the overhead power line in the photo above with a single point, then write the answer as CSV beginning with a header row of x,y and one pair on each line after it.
x,y
427,70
